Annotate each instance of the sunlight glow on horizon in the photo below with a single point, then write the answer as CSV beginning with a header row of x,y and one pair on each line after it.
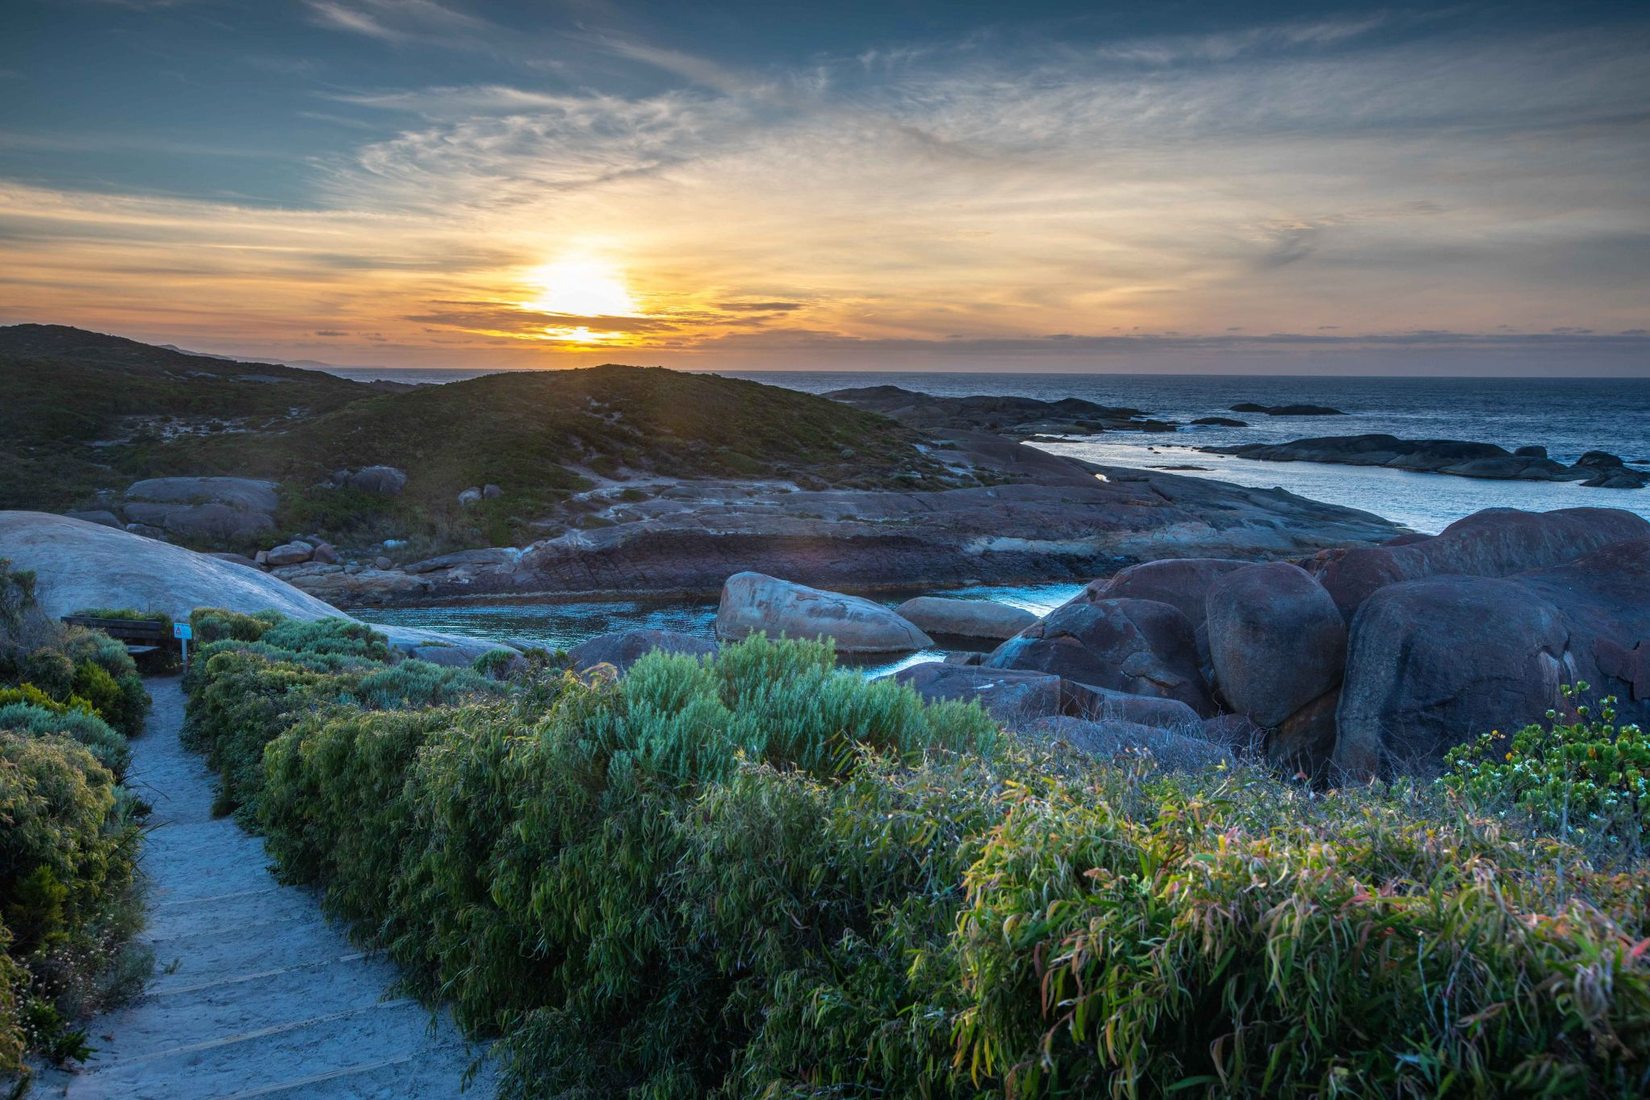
x,y
585,287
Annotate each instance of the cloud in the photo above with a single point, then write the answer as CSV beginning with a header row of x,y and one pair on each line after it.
x,y
401,21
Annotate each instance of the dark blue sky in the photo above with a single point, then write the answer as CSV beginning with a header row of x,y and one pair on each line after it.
x,y
908,179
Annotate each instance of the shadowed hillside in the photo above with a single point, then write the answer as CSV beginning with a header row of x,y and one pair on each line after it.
x,y
91,412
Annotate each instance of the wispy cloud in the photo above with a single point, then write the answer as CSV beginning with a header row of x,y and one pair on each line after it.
x,y
1332,183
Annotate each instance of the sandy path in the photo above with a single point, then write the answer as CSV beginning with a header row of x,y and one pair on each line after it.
x,y
255,992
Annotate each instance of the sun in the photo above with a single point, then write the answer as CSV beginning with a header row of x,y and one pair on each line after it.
x,y
581,287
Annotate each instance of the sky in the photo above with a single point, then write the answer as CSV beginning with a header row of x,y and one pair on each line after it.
x,y
906,185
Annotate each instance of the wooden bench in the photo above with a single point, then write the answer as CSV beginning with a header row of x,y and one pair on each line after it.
x,y
140,635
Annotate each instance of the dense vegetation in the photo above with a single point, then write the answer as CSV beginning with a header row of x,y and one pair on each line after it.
x,y
535,434
67,389
759,876
69,832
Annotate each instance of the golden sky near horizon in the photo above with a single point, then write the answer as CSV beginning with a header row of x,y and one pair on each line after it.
x,y
1286,190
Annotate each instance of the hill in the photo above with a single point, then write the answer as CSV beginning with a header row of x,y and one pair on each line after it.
x,y
81,409
88,412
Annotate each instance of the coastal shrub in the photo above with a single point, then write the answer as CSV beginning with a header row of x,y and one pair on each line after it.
x,y
1251,940
214,624
243,694
12,978
68,898
94,734
1586,780
497,663
755,876
50,671
32,696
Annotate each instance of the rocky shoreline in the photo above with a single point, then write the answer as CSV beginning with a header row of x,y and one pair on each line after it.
x,y
1048,519
1595,469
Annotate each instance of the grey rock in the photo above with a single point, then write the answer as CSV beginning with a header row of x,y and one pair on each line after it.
x,y
470,497
1495,542
384,481
324,552
1276,640
491,492
288,553
466,559
211,521
1096,703
247,494
1434,662
1138,647
1118,741
106,518
1010,696
623,649
965,618
753,602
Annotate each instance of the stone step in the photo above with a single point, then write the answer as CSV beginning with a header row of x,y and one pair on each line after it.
x,y
434,1074
274,1056
251,1003
254,947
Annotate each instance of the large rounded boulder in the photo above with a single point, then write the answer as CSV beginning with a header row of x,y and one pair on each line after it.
x,y
965,618
1141,647
1496,542
1432,663
756,603
1183,583
1276,640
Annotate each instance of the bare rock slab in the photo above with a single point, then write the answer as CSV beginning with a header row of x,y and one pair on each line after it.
x,y
756,603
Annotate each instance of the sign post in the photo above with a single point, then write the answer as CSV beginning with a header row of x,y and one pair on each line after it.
x,y
183,632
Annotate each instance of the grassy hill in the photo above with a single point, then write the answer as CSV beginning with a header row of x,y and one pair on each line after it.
x,y
82,410
89,412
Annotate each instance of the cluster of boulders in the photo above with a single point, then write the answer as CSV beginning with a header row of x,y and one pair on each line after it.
x,y
1343,666
475,494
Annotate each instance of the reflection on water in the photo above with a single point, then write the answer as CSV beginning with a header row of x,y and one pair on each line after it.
x,y
564,625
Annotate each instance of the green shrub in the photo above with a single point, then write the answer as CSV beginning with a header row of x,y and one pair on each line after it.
x,y
12,977
125,703
759,876
51,671
213,624
1250,940
32,696
497,663
67,893
106,744
1585,780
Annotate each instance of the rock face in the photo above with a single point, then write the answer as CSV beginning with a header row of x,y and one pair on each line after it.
x,y
80,565
288,553
1115,740
624,649
1140,647
965,618
1010,696
1286,410
1446,456
383,481
1183,583
227,509
1432,662
1496,542
753,602
1276,640
1010,415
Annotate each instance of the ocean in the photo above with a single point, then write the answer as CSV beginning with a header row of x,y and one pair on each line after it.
x,y
1568,417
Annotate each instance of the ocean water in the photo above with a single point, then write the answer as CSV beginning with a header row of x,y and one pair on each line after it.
x,y
1568,417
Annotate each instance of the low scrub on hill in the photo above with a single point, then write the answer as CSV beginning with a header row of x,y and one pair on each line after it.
x,y
69,832
758,876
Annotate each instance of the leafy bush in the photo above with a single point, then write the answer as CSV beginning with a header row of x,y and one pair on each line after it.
x,y
105,674
67,892
755,875
497,663
1585,779
30,695
1249,940
51,671
243,694
104,743
213,624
